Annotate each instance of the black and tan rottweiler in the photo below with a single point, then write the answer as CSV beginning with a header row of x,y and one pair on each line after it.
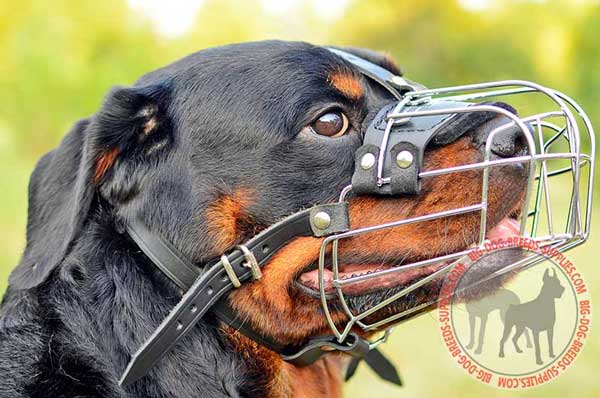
x,y
209,151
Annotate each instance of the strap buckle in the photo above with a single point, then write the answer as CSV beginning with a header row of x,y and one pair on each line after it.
x,y
230,272
250,262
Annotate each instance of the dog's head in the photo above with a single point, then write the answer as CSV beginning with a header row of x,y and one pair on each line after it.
x,y
551,284
221,144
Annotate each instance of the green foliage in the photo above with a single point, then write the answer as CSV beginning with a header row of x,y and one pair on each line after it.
x,y
60,58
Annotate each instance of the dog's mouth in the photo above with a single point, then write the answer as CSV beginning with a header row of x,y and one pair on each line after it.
x,y
308,280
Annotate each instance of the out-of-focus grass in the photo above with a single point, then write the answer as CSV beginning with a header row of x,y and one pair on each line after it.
x,y
13,211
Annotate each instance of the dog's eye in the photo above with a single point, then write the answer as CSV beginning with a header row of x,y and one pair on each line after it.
x,y
331,124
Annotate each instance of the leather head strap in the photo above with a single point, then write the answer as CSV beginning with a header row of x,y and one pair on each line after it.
x,y
205,289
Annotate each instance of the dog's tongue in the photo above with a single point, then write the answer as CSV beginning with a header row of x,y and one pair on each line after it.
x,y
506,228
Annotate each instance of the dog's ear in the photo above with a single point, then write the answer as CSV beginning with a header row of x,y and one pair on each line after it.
x,y
64,182
546,275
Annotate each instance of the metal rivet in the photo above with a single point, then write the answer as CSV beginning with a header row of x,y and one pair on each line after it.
x,y
404,159
367,161
321,220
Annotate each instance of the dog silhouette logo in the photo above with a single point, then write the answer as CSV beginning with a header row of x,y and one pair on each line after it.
x,y
500,301
514,330
537,315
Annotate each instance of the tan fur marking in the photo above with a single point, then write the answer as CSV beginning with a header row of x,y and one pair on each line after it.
x,y
322,379
104,162
223,217
347,83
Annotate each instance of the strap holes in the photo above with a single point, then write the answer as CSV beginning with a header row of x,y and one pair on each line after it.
x,y
179,326
194,309
225,278
265,248
209,290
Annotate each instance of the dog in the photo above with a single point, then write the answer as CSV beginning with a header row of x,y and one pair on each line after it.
x,y
538,315
500,300
209,151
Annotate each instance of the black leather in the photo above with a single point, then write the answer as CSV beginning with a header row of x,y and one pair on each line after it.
x,y
413,135
211,285
163,255
396,85
315,348
379,363
206,291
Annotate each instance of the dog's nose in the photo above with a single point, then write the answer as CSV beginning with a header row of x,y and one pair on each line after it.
x,y
509,141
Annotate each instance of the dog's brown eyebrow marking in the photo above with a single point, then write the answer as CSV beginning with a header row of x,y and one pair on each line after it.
x,y
347,83
104,162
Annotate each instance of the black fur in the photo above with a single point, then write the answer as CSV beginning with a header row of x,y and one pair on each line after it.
x,y
83,297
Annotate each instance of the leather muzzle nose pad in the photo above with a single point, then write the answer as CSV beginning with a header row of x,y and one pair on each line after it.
x,y
404,148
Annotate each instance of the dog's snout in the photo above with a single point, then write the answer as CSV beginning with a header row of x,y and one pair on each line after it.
x,y
508,139
508,142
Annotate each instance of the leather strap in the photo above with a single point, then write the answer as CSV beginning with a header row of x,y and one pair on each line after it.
x,y
163,255
396,85
205,289
211,285
379,363
315,348
412,136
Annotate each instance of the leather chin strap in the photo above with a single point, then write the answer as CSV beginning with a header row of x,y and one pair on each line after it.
x,y
207,290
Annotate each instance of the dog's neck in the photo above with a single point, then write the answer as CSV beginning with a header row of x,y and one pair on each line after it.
x,y
322,379
137,297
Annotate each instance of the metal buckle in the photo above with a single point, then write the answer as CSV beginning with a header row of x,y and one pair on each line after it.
x,y
250,262
230,272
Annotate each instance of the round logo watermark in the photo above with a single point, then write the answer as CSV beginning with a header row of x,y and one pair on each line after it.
x,y
514,327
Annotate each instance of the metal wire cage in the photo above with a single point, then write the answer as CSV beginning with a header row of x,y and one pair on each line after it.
x,y
560,147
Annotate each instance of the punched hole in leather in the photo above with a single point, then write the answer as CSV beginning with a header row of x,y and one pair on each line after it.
x,y
208,289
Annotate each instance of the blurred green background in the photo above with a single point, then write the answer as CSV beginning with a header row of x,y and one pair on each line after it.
x,y
59,58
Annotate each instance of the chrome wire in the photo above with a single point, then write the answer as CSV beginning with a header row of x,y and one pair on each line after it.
x,y
538,153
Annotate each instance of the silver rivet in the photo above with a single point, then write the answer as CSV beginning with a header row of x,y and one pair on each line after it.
x,y
367,161
404,159
321,220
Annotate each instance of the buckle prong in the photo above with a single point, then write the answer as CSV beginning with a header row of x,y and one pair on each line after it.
x,y
251,262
